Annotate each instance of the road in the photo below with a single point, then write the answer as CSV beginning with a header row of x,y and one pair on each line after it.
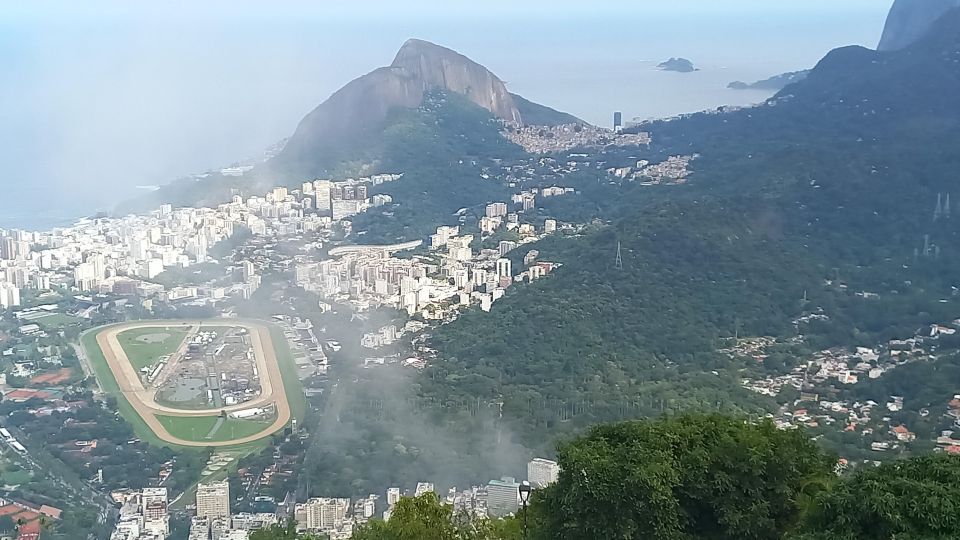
x,y
272,390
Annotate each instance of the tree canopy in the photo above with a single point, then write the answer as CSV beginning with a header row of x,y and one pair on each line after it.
x,y
427,518
694,476
911,499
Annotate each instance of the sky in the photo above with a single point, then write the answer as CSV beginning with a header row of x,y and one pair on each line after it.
x,y
97,98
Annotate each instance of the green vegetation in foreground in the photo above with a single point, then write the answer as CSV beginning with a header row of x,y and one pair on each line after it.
x,y
143,354
196,428
700,477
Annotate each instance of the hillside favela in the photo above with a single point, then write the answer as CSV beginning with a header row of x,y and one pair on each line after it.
x,y
301,271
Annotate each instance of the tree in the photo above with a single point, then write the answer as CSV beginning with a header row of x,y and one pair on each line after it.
x,y
426,518
910,499
693,476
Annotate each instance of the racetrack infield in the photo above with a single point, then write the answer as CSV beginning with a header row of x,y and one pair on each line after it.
x,y
137,404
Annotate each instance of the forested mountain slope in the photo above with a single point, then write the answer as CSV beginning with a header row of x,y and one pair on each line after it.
x,y
793,208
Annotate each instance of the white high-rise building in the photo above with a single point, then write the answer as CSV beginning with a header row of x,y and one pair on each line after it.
x,y
9,295
321,194
84,276
393,496
323,514
496,209
479,276
504,268
213,500
550,226
41,282
542,472
247,270
503,496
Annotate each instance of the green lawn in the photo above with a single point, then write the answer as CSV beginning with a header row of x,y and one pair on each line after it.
x,y
100,368
56,320
288,370
196,428
143,354
14,478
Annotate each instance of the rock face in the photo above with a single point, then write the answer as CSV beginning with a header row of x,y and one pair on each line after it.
x,y
361,107
911,19
433,66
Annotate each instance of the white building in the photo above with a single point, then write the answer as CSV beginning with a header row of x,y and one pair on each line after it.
x,y
503,496
213,500
423,487
496,209
322,513
504,268
9,295
393,495
542,472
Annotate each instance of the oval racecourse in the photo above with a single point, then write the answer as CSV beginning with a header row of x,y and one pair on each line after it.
x,y
178,426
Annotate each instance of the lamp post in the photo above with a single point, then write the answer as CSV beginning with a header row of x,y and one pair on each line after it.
x,y
524,499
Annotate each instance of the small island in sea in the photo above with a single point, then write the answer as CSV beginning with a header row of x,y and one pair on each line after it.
x,y
680,65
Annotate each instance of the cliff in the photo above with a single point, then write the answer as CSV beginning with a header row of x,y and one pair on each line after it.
x,y
909,20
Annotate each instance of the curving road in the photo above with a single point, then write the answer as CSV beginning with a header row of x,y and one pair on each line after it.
x,y
272,391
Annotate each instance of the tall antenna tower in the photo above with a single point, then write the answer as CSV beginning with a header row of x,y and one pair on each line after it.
x,y
619,264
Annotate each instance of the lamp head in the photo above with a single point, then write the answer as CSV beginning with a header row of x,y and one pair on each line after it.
x,y
525,490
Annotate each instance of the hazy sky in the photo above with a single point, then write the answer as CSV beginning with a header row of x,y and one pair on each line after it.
x,y
99,97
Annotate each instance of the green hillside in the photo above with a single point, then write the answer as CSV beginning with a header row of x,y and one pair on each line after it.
x,y
792,208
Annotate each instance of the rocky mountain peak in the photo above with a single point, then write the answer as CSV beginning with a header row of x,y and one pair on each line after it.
x,y
439,67
909,20
359,110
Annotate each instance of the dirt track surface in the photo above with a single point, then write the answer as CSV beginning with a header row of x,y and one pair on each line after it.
x,y
142,399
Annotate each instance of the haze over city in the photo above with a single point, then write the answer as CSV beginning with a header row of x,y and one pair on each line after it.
x,y
101,97
560,270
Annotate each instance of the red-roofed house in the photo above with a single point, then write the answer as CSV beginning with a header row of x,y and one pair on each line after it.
x,y
51,511
903,434
29,531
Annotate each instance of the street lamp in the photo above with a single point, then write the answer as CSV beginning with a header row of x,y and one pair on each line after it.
x,y
524,499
